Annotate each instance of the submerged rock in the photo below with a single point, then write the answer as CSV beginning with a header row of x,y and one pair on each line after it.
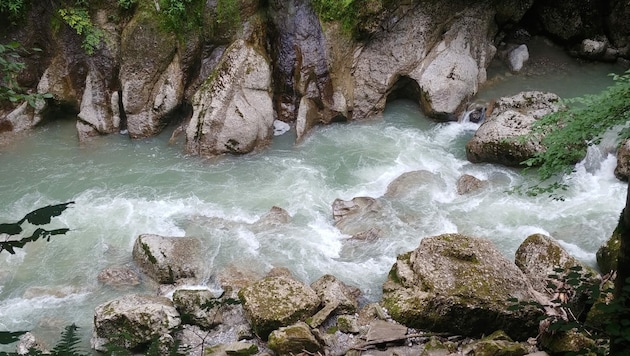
x,y
467,184
458,284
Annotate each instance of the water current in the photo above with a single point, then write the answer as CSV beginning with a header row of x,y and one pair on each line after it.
x,y
124,188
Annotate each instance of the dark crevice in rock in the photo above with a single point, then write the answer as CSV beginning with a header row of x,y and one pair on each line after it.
x,y
405,88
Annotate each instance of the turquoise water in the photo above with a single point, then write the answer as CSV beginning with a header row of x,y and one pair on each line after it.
x,y
124,188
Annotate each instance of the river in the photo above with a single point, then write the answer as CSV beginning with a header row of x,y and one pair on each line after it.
x,y
124,188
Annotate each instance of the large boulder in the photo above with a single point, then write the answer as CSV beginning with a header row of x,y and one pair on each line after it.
x,y
167,259
539,256
152,85
232,111
459,284
133,320
279,301
457,65
427,55
499,138
302,76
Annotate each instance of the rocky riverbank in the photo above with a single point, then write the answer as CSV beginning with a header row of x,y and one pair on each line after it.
x,y
454,294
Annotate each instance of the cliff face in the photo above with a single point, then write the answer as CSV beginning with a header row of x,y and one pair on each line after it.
x,y
144,75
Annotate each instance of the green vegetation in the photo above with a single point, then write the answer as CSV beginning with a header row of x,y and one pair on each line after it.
x,y
181,15
79,20
10,67
228,16
13,9
127,4
602,320
355,16
569,132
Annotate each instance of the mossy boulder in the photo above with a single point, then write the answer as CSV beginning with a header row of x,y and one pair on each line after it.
x,y
607,254
167,259
332,291
539,256
133,320
497,344
294,340
151,75
456,283
198,307
565,342
278,301
498,138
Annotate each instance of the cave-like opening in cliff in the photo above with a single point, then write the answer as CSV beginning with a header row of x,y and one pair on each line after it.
x,y
404,88
58,110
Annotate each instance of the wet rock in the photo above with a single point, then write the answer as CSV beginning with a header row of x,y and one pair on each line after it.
x,y
593,48
232,111
167,259
274,302
517,57
498,139
133,320
426,55
118,276
293,340
332,291
468,184
304,88
273,218
622,170
454,69
458,284
412,184
99,107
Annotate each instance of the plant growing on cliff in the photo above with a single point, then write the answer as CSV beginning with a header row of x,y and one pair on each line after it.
x,y
569,132
79,20
181,15
10,66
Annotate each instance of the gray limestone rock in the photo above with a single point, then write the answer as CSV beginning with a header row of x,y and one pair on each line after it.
x,y
133,320
167,259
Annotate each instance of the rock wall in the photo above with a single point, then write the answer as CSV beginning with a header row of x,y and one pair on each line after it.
x,y
142,74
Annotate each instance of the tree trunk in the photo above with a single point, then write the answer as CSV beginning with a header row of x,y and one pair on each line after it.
x,y
620,344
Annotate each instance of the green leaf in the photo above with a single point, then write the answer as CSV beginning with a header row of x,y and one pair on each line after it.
x,y
9,337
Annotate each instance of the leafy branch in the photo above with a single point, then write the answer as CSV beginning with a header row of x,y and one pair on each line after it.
x,y
568,133
10,67
39,216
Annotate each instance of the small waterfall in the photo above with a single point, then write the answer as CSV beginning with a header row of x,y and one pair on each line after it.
x,y
475,113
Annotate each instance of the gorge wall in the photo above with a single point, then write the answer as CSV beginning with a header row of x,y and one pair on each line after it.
x,y
225,80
